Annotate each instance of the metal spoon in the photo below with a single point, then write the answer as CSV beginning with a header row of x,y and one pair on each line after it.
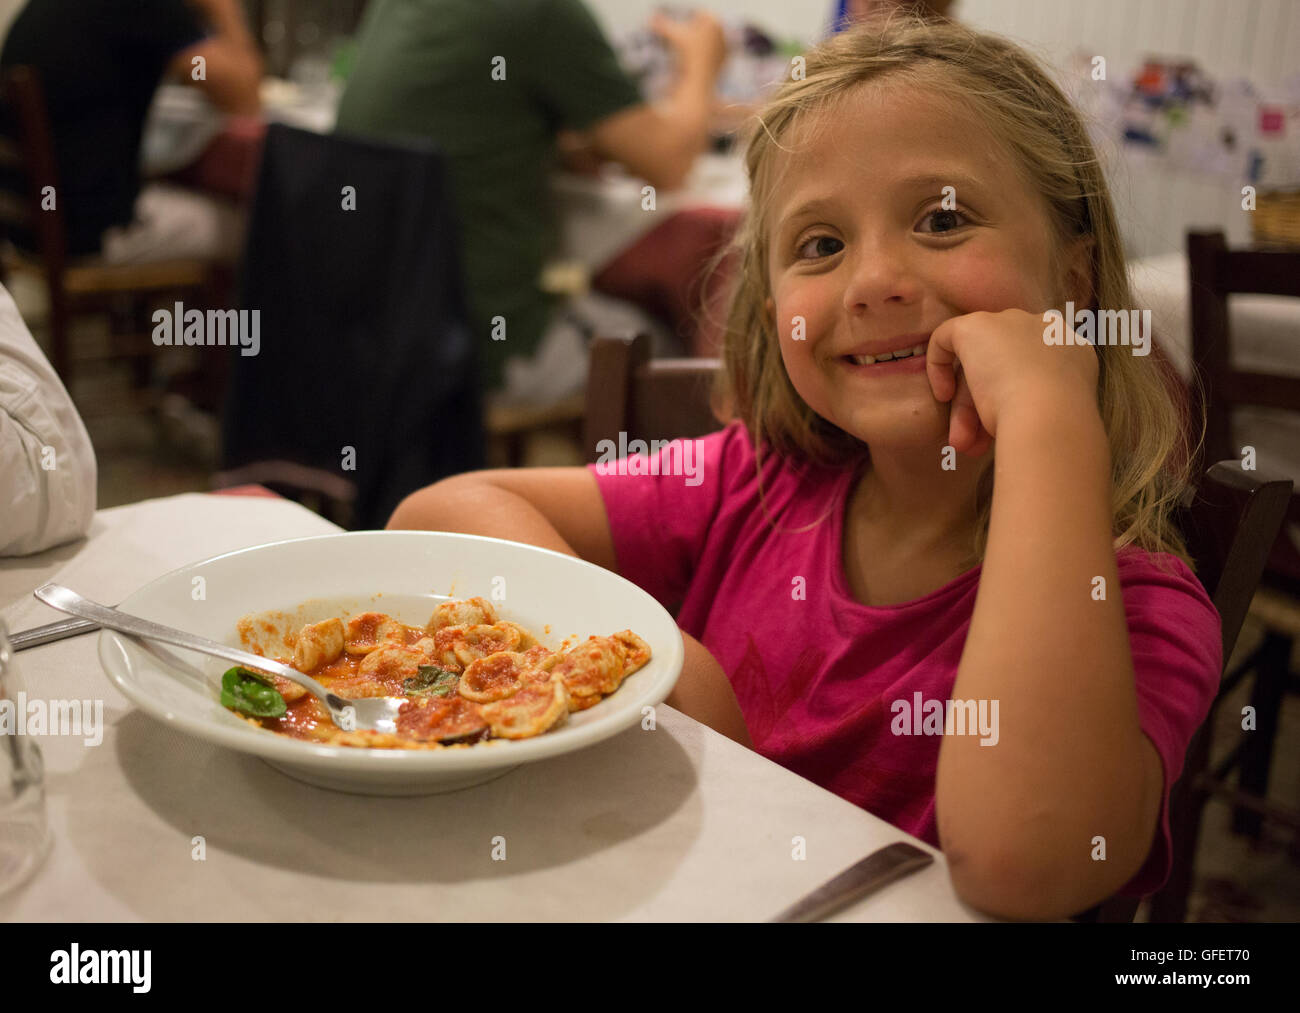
x,y
372,713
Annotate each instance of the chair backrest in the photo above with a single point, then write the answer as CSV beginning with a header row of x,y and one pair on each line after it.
x,y
1215,273
366,366
30,215
1229,520
648,399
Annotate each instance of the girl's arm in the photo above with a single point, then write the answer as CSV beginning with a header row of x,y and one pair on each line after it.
x,y
562,509
1020,820
1062,810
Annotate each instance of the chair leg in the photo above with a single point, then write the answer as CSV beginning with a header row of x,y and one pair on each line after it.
x,y
1271,679
1187,801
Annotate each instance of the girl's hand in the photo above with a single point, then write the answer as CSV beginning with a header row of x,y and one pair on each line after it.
x,y
1004,363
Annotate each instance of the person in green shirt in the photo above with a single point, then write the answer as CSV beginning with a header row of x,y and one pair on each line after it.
x,y
494,83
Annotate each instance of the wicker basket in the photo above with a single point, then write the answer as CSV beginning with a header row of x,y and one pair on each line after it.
x,y
1276,221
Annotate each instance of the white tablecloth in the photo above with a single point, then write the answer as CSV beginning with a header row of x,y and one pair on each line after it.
x,y
675,824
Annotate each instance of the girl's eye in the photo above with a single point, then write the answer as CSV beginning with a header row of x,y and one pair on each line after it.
x,y
942,221
821,246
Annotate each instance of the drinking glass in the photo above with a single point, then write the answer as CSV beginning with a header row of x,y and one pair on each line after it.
x,y
24,830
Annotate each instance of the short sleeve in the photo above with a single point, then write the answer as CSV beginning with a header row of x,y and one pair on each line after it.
x,y
154,31
570,68
1175,637
661,505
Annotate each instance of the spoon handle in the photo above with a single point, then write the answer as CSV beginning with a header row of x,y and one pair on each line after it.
x,y
66,600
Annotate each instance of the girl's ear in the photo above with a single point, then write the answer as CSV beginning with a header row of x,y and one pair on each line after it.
x,y
770,306
1079,286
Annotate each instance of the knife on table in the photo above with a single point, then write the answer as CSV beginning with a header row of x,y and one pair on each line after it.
x,y
881,867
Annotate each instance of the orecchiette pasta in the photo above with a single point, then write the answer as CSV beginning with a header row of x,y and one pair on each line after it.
x,y
467,675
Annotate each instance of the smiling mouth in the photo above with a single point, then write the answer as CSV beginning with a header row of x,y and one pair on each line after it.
x,y
902,353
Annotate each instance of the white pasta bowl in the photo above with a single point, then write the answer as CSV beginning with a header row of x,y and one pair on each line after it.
x,y
405,574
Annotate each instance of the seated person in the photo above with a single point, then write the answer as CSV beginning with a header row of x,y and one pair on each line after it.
x,y
47,465
494,83
829,573
100,62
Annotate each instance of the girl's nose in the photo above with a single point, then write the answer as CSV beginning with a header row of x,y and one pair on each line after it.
x,y
880,276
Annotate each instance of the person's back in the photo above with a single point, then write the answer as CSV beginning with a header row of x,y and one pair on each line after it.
x,y
99,67
490,81
100,63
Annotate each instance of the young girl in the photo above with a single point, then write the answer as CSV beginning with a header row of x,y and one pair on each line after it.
x,y
985,521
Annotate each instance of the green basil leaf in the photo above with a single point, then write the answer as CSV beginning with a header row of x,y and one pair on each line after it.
x,y
251,693
430,680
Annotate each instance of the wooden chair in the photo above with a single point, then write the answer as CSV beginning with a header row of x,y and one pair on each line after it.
x,y
390,315
323,492
1216,272
649,399
1230,520
1230,527
82,284
509,428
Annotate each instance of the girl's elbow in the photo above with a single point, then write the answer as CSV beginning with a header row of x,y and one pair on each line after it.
x,y
417,511
1014,883
442,503
1004,888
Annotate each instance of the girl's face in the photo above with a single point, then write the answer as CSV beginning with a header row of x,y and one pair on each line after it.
x,y
867,253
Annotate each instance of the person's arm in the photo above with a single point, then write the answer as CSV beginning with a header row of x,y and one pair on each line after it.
x,y
1023,822
47,463
562,509
1060,809
661,142
232,63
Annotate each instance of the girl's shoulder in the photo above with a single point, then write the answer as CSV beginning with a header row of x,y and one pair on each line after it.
x,y
1162,589
1139,565
749,463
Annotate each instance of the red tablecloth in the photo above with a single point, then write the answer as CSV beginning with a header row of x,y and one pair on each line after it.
x,y
228,166
669,272
247,490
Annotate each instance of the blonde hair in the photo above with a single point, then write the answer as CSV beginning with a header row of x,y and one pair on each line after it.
x,y
1137,395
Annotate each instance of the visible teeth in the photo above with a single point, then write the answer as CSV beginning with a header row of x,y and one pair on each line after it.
x,y
904,353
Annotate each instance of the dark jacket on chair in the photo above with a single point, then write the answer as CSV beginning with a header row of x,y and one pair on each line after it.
x,y
364,364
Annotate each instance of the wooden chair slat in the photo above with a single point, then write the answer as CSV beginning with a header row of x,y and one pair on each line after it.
x,y
1260,272
167,274
1265,390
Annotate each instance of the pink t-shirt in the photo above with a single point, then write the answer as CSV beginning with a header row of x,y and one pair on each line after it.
x,y
816,672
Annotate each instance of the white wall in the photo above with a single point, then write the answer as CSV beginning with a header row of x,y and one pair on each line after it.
x,y
1227,36
796,19
1259,39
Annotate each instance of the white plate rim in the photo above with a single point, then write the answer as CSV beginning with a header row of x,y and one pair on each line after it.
x,y
116,662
